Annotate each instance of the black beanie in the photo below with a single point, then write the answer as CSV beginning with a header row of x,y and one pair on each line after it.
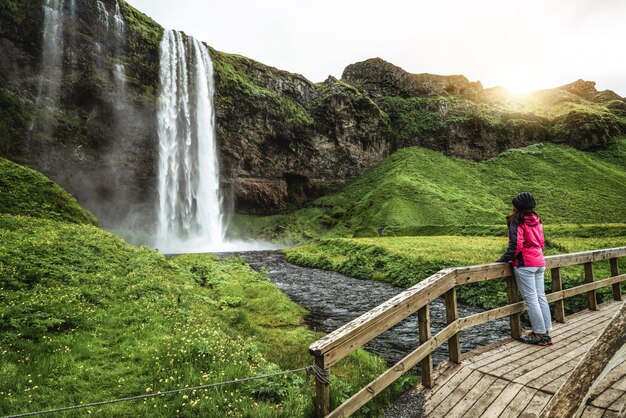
x,y
524,201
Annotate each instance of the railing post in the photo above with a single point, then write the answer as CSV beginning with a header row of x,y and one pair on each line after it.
x,y
452,314
592,302
513,296
322,392
426,365
557,285
617,293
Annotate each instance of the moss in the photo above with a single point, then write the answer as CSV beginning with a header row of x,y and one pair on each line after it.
x,y
15,116
143,39
236,87
26,192
22,19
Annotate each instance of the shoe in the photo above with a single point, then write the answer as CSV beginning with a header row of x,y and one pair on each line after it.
x,y
545,340
535,339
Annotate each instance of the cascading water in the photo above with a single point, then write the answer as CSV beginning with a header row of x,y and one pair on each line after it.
x,y
118,19
189,209
119,71
52,54
103,14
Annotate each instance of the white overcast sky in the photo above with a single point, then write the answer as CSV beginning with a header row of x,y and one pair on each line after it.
x,y
522,45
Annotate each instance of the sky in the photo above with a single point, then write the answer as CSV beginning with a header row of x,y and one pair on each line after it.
x,y
521,45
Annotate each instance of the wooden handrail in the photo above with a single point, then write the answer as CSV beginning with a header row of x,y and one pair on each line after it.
x,y
338,344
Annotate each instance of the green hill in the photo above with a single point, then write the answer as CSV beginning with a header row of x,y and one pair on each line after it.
x,y
27,192
415,188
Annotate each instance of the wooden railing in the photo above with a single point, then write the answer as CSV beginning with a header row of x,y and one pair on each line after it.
x,y
343,341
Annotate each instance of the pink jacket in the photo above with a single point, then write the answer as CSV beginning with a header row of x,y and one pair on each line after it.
x,y
526,243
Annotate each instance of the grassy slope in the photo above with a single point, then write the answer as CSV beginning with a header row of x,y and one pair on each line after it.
x,y
27,192
405,261
415,188
85,317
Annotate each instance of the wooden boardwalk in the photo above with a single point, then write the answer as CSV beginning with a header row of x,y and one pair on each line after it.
x,y
512,379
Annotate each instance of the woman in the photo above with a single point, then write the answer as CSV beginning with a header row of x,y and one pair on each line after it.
x,y
525,253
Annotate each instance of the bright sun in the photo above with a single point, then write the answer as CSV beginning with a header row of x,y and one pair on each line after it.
x,y
520,86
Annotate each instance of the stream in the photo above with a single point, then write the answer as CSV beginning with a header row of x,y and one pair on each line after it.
x,y
334,300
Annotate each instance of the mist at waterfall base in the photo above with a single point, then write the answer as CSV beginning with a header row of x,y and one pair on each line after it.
x,y
187,213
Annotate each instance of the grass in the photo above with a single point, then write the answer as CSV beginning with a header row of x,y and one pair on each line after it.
x,y
85,317
405,261
416,190
27,192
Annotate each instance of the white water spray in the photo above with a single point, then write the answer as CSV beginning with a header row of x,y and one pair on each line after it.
x,y
52,54
190,215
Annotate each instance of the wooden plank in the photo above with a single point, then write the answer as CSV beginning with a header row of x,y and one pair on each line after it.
x,y
482,272
495,351
575,389
620,403
552,368
612,379
521,359
457,394
610,397
390,376
515,320
592,301
518,350
593,412
426,364
452,314
502,401
535,406
583,257
348,338
322,394
533,369
491,315
559,305
518,403
515,359
487,398
446,390
460,408
443,375
573,291
617,292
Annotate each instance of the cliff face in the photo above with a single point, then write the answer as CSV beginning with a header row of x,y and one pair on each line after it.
x,y
83,123
282,139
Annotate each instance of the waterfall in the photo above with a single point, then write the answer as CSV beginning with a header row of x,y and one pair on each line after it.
x,y
189,206
119,20
52,54
119,71
103,14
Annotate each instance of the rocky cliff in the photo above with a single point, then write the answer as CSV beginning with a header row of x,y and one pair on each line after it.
x,y
282,139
